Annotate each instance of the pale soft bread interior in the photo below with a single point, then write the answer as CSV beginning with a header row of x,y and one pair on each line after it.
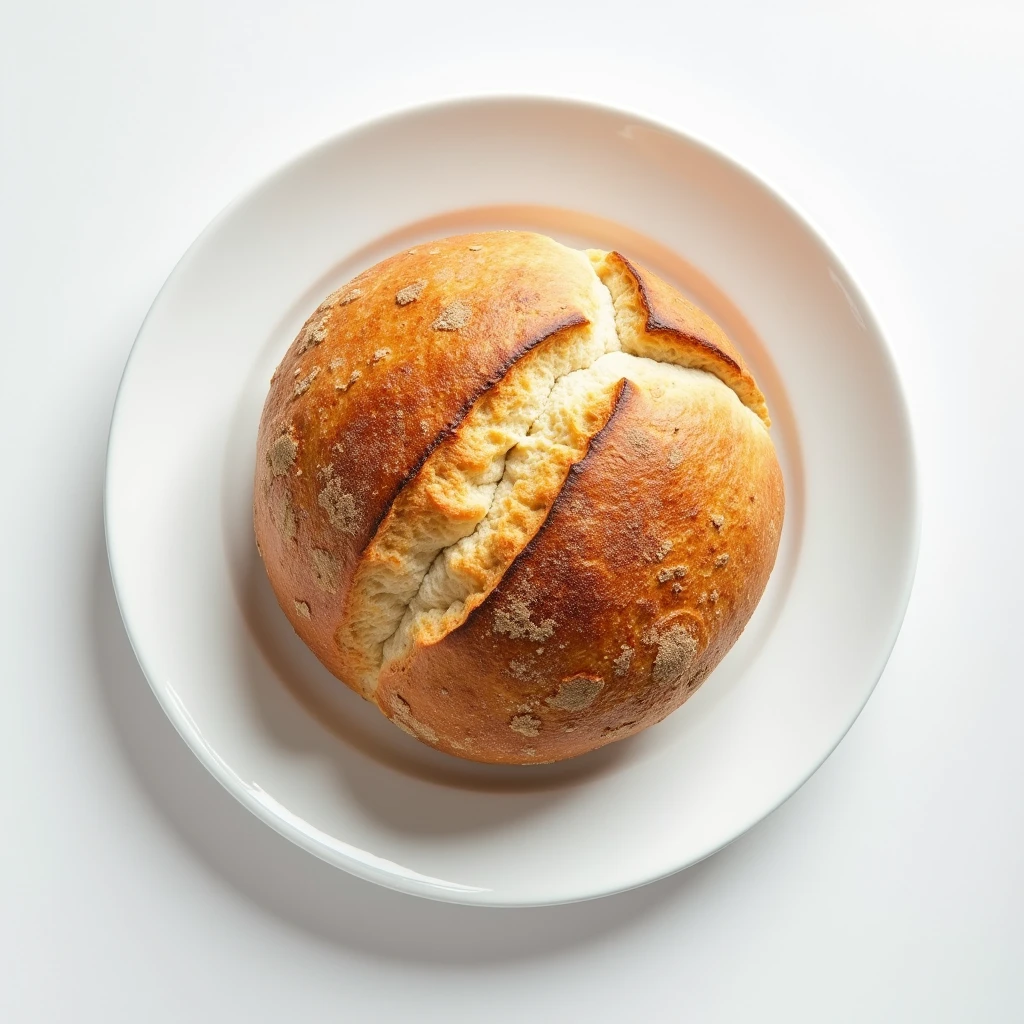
x,y
631,324
631,319
456,487
535,470
479,499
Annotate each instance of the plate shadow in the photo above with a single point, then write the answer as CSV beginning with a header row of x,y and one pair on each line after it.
x,y
307,894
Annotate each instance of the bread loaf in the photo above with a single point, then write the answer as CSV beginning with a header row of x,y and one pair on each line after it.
x,y
522,497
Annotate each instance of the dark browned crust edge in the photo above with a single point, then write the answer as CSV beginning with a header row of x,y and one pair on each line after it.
x,y
654,324
625,393
575,320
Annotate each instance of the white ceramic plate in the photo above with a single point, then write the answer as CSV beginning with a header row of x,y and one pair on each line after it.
x,y
308,756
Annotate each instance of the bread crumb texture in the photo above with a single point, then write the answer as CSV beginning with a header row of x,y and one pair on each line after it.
x,y
315,332
283,515
676,652
453,317
514,620
345,385
672,573
404,718
525,725
577,693
325,570
303,385
340,506
623,661
411,292
281,454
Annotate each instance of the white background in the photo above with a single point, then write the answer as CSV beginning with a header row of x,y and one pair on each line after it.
x,y
890,888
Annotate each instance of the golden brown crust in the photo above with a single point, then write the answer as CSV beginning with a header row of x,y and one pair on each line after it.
x,y
593,607
648,567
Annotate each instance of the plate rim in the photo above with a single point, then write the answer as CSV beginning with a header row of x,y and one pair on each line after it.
x,y
364,864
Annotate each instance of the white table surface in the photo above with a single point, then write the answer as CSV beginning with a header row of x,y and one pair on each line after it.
x,y
890,888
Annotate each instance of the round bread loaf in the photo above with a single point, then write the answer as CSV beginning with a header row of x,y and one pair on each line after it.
x,y
520,496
